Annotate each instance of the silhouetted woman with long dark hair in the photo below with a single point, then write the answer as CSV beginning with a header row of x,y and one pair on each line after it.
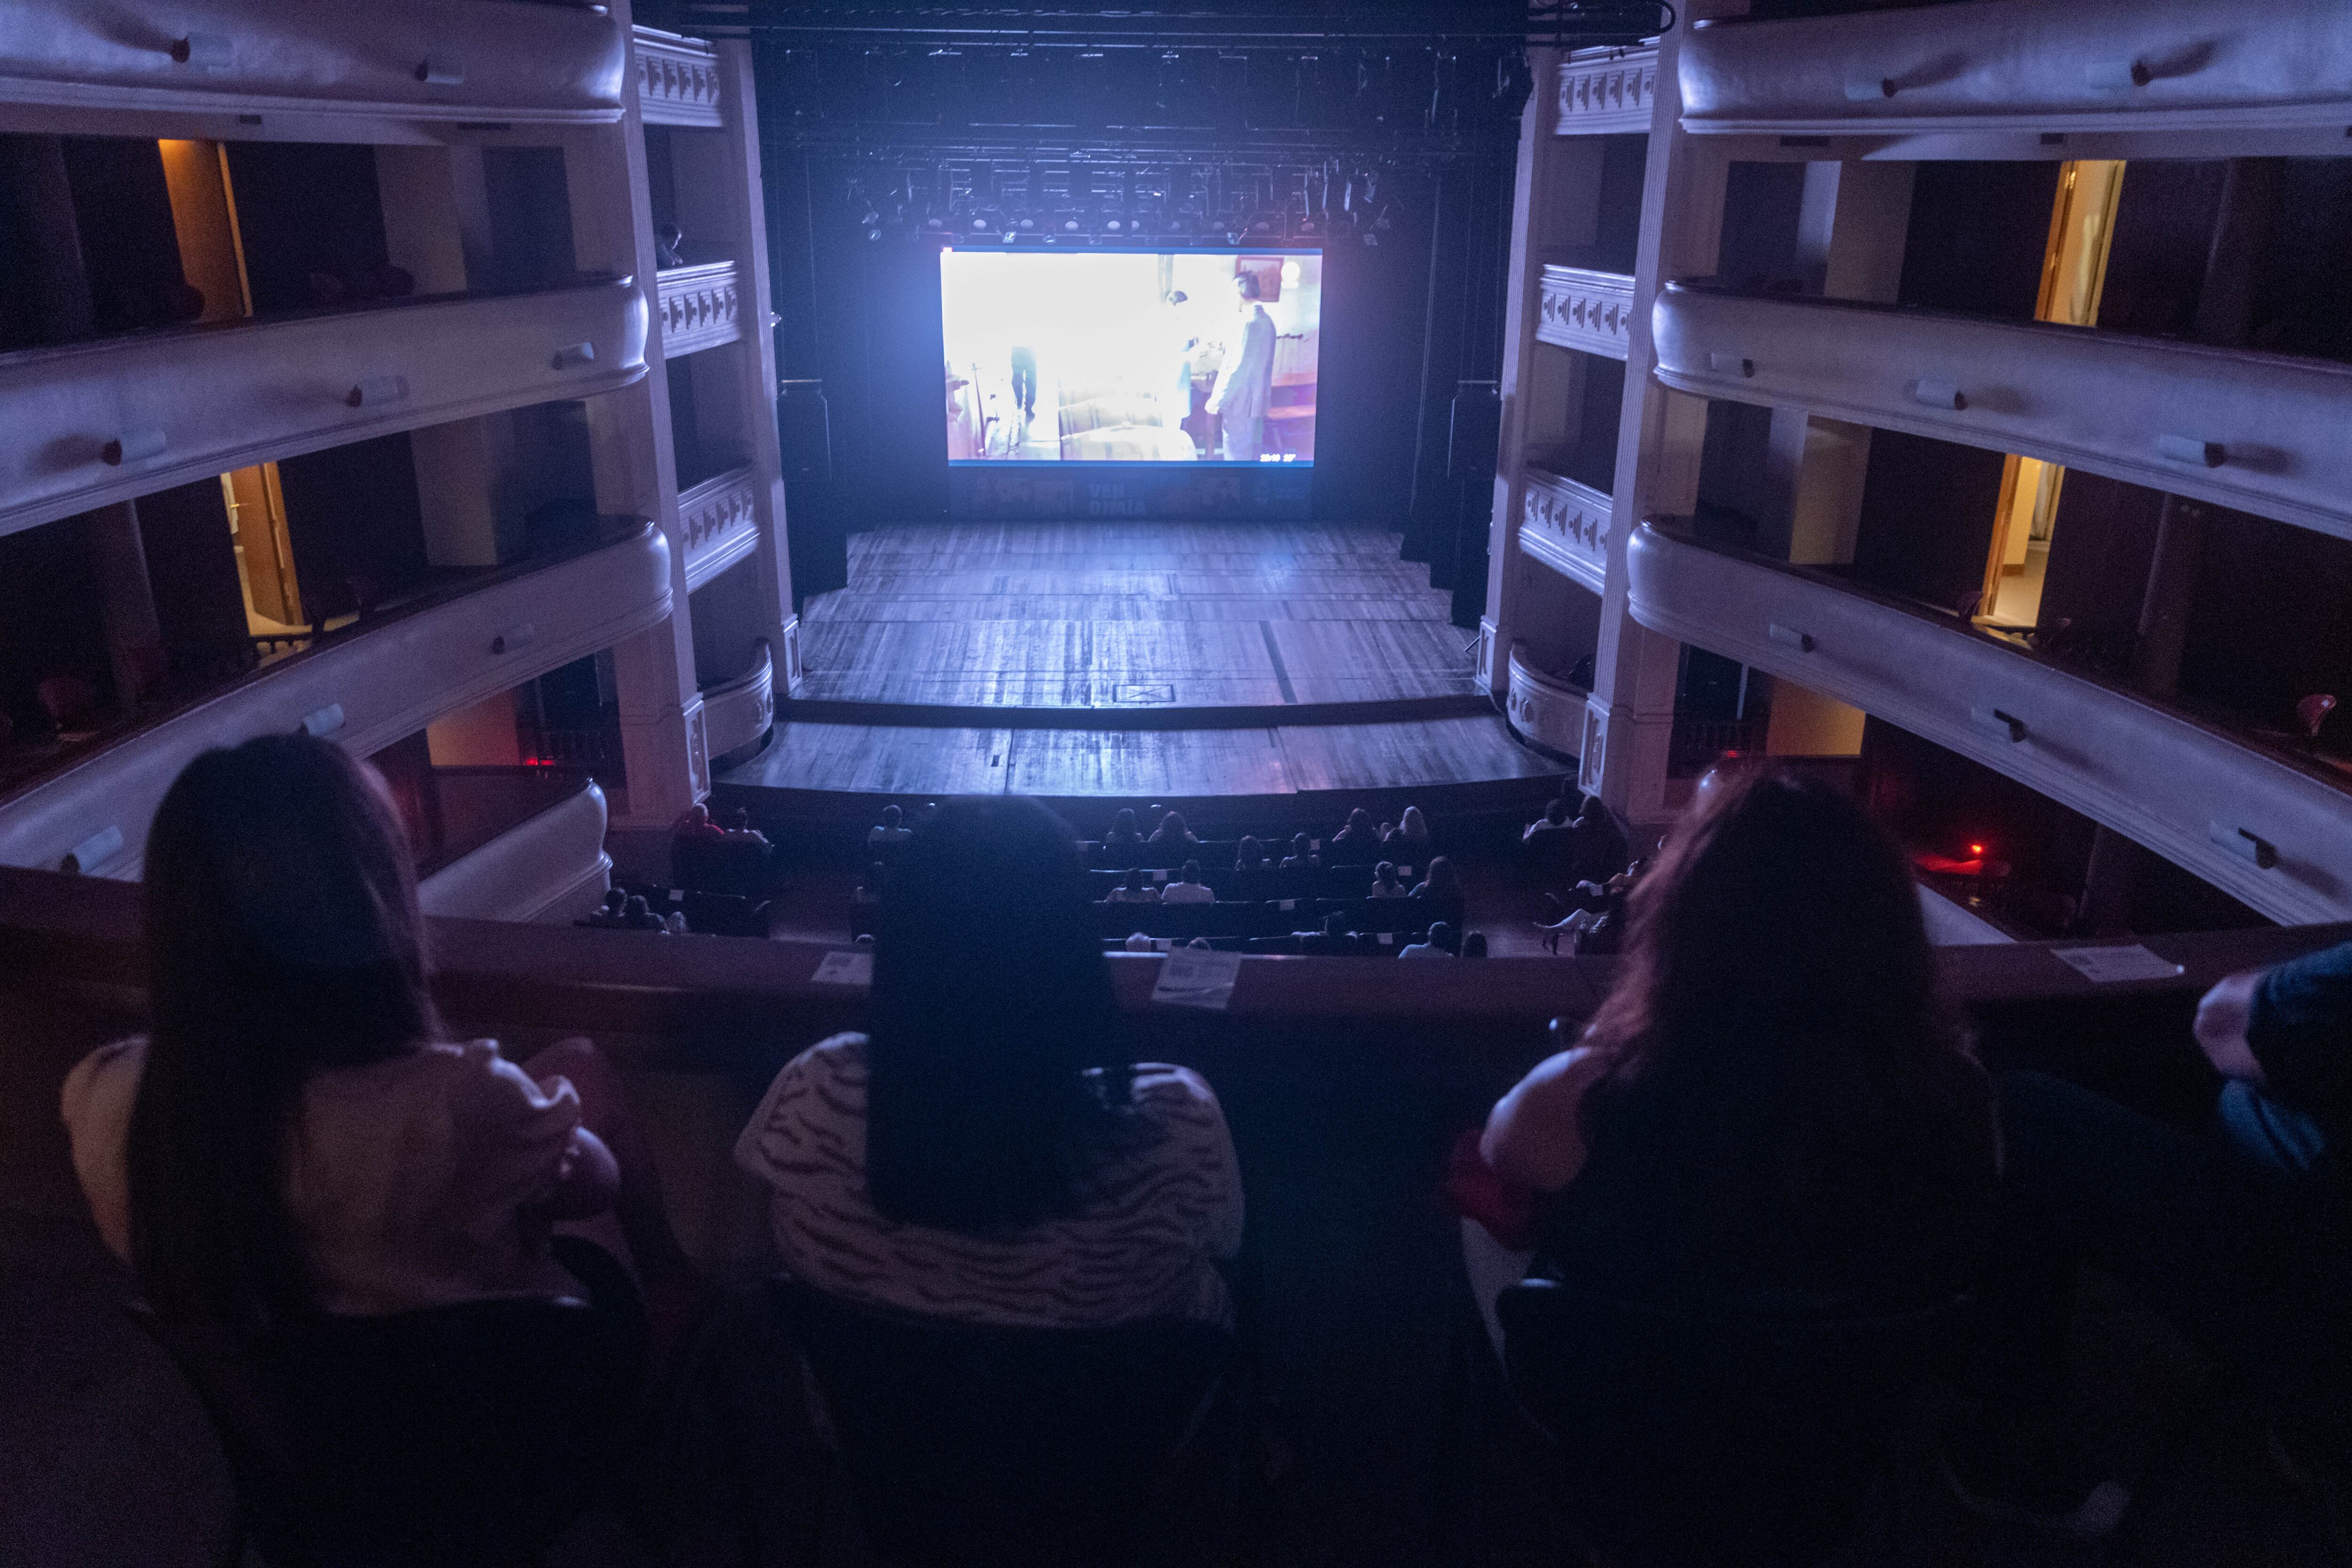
x,y
1773,1103
296,1133
990,1151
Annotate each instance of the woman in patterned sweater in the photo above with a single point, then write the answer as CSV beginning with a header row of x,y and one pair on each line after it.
x,y
989,1152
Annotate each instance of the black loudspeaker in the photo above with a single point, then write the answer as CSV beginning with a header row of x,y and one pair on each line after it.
x,y
804,430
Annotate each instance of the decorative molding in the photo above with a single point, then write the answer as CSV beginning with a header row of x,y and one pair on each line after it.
x,y
1592,311
793,673
389,681
699,307
1565,525
719,524
1545,708
737,712
97,423
2258,431
1487,636
677,80
1602,91
2010,66
338,61
2201,796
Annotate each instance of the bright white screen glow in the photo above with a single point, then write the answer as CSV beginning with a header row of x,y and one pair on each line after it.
x,y
1130,356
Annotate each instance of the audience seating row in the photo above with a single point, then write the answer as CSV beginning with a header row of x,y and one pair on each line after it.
x,y
1278,916
1301,882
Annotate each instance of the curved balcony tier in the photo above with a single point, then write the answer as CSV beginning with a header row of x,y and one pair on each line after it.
x,y
324,61
677,80
368,686
1606,90
700,307
2265,828
718,522
2261,433
90,424
2026,66
737,712
550,868
1545,708
1565,525
1589,311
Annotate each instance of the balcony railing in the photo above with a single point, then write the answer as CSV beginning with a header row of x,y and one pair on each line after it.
x,y
2261,433
737,712
548,865
1601,91
677,80
2026,66
1589,311
719,524
2271,829
699,307
1565,525
332,60
1545,708
367,686
90,424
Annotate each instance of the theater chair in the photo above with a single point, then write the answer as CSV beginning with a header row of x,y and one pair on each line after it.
x,y
739,867
967,1446
1692,1438
471,1435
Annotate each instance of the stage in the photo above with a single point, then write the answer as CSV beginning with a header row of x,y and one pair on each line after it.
x,y
1135,663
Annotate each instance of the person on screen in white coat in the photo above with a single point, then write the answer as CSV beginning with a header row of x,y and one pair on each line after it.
x,y
1246,380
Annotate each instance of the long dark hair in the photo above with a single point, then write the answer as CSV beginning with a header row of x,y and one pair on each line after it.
x,y
997,1075
282,937
1785,1064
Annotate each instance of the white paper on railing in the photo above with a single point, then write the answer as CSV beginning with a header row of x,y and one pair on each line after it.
x,y
1193,977
845,969
2105,966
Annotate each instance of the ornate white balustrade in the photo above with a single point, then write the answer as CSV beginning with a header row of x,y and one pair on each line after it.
x,y
677,80
321,61
1589,311
2262,433
551,869
366,689
2274,832
1606,90
699,307
719,524
736,713
87,425
1546,709
1565,525
2027,65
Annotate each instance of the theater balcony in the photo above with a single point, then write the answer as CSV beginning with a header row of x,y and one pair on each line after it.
x,y
90,424
718,522
1605,91
2030,78
699,307
678,80
1544,708
1591,312
2270,828
515,844
737,712
323,69
376,681
2257,432
1565,525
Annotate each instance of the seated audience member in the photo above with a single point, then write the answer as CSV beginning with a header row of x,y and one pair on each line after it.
x,y
2236,1233
1250,855
739,828
1553,820
1410,841
1122,828
1302,856
696,824
639,915
989,1152
1187,889
613,912
1172,830
1334,940
1438,943
1139,941
1356,844
1773,1105
1385,884
1441,885
298,1133
1474,944
1596,846
1133,889
892,829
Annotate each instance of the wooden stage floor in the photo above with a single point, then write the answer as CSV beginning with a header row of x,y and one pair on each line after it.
x,y
1131,616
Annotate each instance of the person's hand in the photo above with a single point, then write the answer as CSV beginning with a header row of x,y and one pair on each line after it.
x,y
2220,1027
